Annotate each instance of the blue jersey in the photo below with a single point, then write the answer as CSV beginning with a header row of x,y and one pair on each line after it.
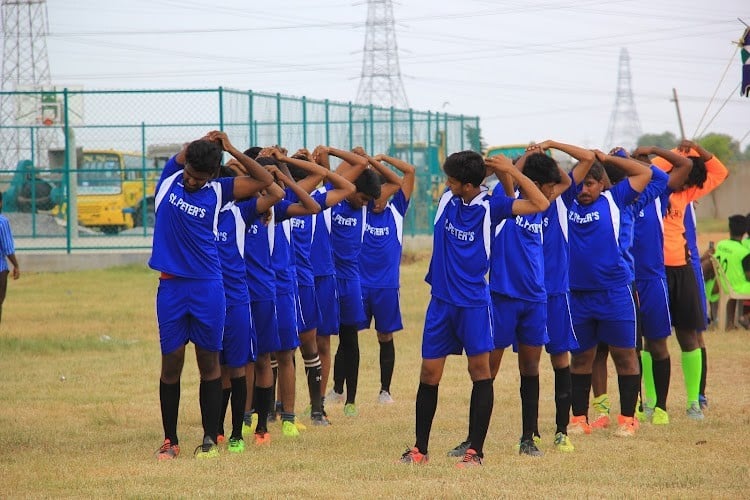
x,y
259,242
185,230
596,259
555,242
302,237
648,241
347,231
691,233
321,253
7,247
282,255
380,258
461,247
517,258
230,241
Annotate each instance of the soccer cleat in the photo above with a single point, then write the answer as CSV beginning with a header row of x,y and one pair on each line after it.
x,y
335,397
562,443
601,421
528,447
626,426
220,439
350,410
299,425
207,450
579,425
460,450
694,411
703,402
471,459
537,441
249,425
236,445
288,429
168,451
384,398
307,411
660,417
644,415
262,439
319,420
413,456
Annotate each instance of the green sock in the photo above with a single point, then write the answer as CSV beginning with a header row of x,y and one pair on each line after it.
x,y
649,389
691,370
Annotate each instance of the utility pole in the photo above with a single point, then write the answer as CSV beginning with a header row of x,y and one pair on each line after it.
x,y
679,115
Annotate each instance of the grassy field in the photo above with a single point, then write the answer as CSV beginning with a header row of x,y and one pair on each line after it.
x,y
79,416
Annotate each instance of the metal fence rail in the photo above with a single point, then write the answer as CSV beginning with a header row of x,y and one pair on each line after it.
x,y
51,131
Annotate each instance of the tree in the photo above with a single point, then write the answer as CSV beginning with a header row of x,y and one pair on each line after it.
x,y
475,139
665,140
723,146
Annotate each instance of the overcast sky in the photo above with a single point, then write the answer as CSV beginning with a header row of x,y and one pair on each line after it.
x,y
530,69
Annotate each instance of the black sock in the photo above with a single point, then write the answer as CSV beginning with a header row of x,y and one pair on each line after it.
x,y
427,397
704,372
628,385
387,362
169,398
264,399
662,369
580,384
314,372
239,398
339,371
529,405
210,394
226,394
349,339
562,399
482,399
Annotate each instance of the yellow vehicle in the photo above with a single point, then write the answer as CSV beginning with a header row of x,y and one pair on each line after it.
x,y
115,190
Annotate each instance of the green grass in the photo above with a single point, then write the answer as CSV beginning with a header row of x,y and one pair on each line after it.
x,y
79,415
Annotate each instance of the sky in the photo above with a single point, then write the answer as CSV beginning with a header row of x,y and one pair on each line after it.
x,y
530,69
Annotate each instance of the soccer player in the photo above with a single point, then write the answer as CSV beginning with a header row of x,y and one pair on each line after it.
x,y
601,304
459,316
190,304
684,297
379,265
7,253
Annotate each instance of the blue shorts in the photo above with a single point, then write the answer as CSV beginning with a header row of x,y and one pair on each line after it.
x,y
286,316
517,321
237,345
266,326
383,305
308,309
448,329
190,310
654,306
603,316
562,337
328,305
351,309
698,270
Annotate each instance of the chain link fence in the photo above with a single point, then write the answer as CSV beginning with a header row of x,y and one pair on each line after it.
x,y
77,168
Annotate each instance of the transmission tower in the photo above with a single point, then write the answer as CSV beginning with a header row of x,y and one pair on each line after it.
x,y
624,125
380,82
25,67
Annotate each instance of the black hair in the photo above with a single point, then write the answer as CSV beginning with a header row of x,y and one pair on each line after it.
x,y
467,167
225,171
737,225
368,183
615,174
267,161
204,156
596,172
541,169
253,151
296,172
698,174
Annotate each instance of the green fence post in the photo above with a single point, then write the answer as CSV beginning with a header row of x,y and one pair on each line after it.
x,y
33,182
328,123
304,122
250,127
463,132
69,224
445,134
278,119
221,108
372,130
144,206
351,126
393,126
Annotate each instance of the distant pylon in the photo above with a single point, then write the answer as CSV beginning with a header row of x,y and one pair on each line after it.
x,y
624,126
380,82
25,67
